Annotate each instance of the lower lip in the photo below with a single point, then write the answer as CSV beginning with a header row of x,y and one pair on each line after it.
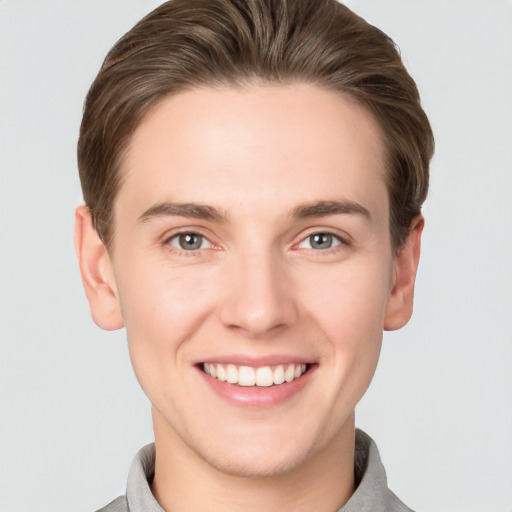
x,y
254,396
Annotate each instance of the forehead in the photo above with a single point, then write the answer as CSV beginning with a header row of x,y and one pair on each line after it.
x,y
255,145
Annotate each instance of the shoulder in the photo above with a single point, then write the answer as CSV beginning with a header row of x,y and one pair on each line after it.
x,y
138,490
118,505
372,492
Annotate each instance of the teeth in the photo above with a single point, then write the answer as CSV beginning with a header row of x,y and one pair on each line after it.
x,y
221,373
264,376
248,376
231,374
279,375
289,374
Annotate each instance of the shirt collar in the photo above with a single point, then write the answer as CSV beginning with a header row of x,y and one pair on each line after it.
x,y
372,492
138,491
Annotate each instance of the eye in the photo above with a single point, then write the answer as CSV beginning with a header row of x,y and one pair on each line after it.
x,y
189,242
320,241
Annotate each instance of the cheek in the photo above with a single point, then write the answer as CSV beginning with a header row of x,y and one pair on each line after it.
x,y
350,311
349,301
160,297
162,307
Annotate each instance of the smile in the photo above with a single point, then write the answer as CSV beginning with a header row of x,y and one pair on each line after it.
x,y
247,376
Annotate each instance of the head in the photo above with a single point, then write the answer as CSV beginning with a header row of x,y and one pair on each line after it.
x,y
193,43
253,173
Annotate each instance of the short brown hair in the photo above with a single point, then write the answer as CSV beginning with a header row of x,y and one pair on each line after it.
x,y
189,43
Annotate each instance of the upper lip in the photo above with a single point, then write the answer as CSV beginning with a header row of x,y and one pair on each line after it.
x,y
256,361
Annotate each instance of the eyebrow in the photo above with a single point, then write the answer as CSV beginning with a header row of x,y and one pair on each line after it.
x,y
324,208
206,212
191,210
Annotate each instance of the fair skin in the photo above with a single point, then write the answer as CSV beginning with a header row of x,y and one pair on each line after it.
x,y
252,234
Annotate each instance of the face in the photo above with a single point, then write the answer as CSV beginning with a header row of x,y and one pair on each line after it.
x,y
253,269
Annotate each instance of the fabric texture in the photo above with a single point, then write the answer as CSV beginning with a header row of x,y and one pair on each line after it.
x,y
371,495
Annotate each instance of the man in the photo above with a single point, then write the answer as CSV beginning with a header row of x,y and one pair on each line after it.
x,y
253,174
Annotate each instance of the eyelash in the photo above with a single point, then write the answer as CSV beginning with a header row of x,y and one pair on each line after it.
x,y
341,242
184,252
336,239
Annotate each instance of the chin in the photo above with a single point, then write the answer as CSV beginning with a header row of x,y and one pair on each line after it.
x,y
256,464
260,453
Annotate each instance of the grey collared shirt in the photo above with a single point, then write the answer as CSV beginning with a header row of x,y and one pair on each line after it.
x,y
371,495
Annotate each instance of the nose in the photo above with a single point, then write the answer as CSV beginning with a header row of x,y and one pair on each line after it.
x,y
258,295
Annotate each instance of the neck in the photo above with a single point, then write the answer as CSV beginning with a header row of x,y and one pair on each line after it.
x,y
185,482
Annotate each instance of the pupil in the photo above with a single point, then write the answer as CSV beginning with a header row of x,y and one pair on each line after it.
x,y
321,241
190,241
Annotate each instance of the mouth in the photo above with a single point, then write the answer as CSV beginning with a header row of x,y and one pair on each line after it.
x,y
248,376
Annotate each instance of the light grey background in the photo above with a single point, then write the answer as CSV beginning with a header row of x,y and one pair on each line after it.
x,y
440,407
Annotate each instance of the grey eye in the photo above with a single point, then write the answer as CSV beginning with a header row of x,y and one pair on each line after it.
x,y
188,241
321,241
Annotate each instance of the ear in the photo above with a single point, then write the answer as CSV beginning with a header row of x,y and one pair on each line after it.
x,y
97,274
400,302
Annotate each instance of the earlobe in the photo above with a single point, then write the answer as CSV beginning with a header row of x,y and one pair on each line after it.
x,y
400,302
96,271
